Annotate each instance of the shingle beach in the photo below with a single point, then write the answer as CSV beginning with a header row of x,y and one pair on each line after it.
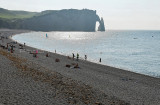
x,y
60,80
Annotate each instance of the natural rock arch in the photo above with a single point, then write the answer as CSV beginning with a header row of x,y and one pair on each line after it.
x,y
97,25
101,25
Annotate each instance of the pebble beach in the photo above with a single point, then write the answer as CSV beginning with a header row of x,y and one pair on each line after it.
x,y
59,80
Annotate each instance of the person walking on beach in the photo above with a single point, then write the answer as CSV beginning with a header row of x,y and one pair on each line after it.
x,y
77,56
24,44
85,57
73,55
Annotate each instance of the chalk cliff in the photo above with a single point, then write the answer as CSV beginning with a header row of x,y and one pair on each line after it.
x,y
64,20
60,20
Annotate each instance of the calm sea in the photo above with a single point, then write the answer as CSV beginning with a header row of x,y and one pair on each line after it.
x,y
137,51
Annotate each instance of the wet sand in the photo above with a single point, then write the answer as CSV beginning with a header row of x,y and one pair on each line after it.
x,y
90,84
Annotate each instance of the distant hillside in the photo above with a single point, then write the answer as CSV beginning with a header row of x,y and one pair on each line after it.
x,y
51,20
7,14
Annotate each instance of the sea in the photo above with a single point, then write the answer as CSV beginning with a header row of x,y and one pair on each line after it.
x,y
132,50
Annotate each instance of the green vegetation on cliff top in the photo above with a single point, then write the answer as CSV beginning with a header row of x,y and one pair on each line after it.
x,y
8,14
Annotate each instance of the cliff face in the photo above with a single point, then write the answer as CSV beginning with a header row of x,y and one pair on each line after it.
x,y
63,20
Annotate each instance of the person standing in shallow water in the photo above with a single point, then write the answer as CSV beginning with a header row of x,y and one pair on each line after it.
x,y
77,56
100,60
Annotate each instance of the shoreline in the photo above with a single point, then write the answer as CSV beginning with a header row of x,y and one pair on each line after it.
x,y
133,88
91,61
95,59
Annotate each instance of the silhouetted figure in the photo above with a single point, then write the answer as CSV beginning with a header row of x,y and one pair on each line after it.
x,y
73,55
55,51
24,44
100,60
85,57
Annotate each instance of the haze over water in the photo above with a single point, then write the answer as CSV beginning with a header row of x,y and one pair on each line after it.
x,y
137,51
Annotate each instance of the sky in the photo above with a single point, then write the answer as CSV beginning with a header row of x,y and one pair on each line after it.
x,y
117,14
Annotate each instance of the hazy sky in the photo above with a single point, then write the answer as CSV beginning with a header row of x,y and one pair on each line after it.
x,y
117,14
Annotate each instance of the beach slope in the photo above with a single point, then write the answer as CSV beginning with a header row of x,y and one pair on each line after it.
x,y
90,83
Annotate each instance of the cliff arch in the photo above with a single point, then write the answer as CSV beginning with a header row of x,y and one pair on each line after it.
x,y
101,25
97,25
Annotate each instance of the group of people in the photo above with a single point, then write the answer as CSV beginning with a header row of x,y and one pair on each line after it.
x,y
35,54
74,56
85,57
8,46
